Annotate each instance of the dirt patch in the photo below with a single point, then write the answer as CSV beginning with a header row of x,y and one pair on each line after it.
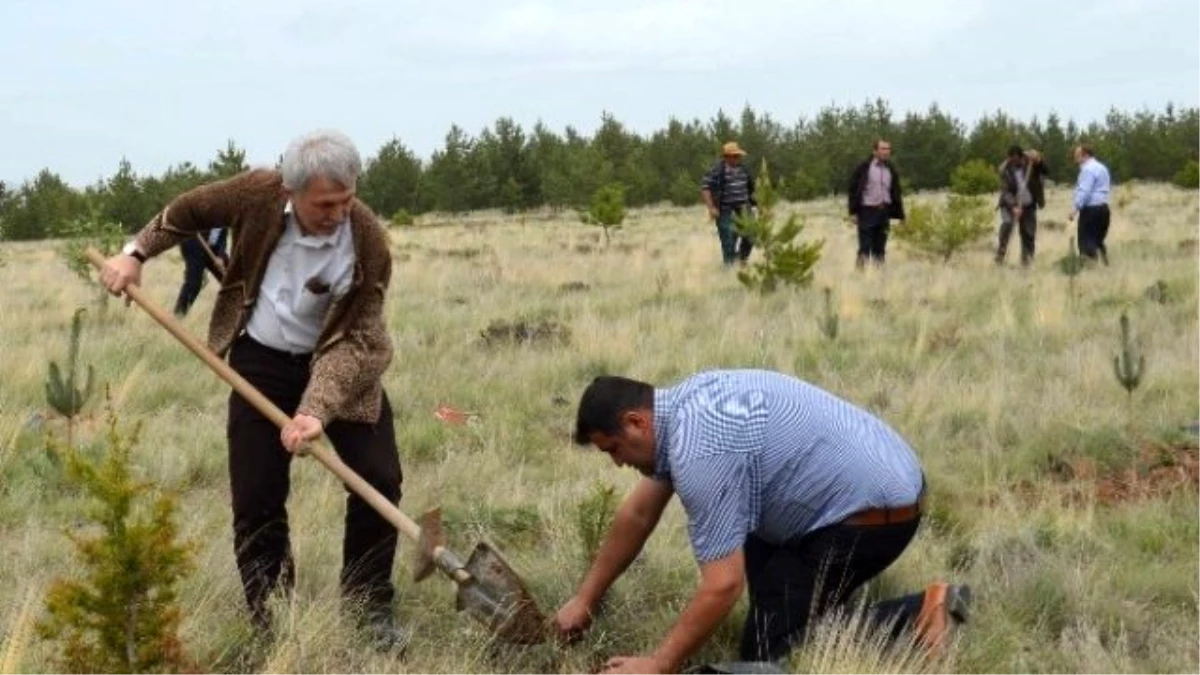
x,y
523,331
468,253
1160,470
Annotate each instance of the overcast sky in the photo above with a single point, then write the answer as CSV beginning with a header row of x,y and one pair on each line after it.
x,y
86,82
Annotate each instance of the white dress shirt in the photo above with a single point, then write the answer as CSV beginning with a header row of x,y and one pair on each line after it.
x,y
305,274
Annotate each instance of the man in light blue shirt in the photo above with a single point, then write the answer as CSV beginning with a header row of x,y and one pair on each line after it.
x,y
1091,204
788,489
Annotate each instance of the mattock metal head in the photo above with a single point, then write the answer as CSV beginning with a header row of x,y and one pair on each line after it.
x,y
488,588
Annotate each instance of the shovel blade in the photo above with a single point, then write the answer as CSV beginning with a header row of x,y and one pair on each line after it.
x,y
432,537
496,597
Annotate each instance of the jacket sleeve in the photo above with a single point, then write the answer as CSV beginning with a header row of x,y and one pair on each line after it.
x,y
211,206
1008,192
1041,184
854,191
897,210
712,180
350,367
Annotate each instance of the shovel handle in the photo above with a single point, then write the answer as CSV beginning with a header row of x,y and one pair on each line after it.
x,y
318,448
212,257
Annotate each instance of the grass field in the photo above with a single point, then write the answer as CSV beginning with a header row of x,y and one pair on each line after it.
x,y
1070,509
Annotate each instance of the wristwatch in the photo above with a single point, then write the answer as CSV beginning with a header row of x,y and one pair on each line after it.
x,y
132,251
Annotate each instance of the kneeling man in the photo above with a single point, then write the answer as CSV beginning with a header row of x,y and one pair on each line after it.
x,y
788,489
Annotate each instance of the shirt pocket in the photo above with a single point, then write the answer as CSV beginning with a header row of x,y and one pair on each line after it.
x,y
312,304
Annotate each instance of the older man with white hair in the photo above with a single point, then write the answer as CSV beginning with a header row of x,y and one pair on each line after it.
x,y
300,316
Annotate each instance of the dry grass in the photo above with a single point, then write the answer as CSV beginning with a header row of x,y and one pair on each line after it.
x,y
996,376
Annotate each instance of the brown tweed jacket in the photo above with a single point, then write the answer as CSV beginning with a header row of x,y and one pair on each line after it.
x,y
354,348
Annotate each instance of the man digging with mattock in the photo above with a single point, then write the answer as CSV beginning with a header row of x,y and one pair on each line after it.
x,y
300,315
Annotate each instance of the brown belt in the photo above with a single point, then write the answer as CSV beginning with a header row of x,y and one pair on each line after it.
x,y
875,517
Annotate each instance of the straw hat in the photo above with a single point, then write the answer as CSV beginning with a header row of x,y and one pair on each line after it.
x,y
731,148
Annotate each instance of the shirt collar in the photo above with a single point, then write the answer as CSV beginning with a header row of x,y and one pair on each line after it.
x,y
311,240
664,417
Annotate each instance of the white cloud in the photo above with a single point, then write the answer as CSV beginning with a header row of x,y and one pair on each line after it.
x,y
685,34
161,82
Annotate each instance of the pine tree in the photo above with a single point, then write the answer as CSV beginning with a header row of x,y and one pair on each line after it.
x,y
123,615
784,261
91,232
1129,364
1071,265
829,321
945,230
607,209
64,394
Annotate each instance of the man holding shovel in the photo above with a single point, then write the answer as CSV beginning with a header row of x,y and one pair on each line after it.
x,y
1021,195
300,316
788,490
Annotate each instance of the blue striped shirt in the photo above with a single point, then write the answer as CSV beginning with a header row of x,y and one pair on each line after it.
x,y
754,451
1093,185
729,185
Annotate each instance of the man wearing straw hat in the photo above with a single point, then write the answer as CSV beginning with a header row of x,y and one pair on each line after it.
x,y
728,191
300,315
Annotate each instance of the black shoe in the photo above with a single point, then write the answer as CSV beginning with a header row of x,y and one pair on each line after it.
x,y
384,634
764,667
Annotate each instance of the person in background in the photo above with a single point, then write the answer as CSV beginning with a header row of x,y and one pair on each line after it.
x,y
874,201
196,260
1021,195
1091,204
728,191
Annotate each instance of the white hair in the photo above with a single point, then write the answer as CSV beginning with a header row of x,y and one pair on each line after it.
x,y
324,153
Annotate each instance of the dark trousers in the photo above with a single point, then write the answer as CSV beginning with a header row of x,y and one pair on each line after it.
x,y
733,245
259,476
195,261
1027,228
792,583
873,225
1093,228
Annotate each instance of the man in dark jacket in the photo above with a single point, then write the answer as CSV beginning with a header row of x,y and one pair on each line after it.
x,y
874,199
196,260
1021,195
728,190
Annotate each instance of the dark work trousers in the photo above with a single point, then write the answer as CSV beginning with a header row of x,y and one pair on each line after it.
x,y
792,583
259,476
1027,229
195,261
873,225
1093,228
734,247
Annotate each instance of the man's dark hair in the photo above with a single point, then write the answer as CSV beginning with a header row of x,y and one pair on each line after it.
x,y
877,142
1015,151
1087,150
604,401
